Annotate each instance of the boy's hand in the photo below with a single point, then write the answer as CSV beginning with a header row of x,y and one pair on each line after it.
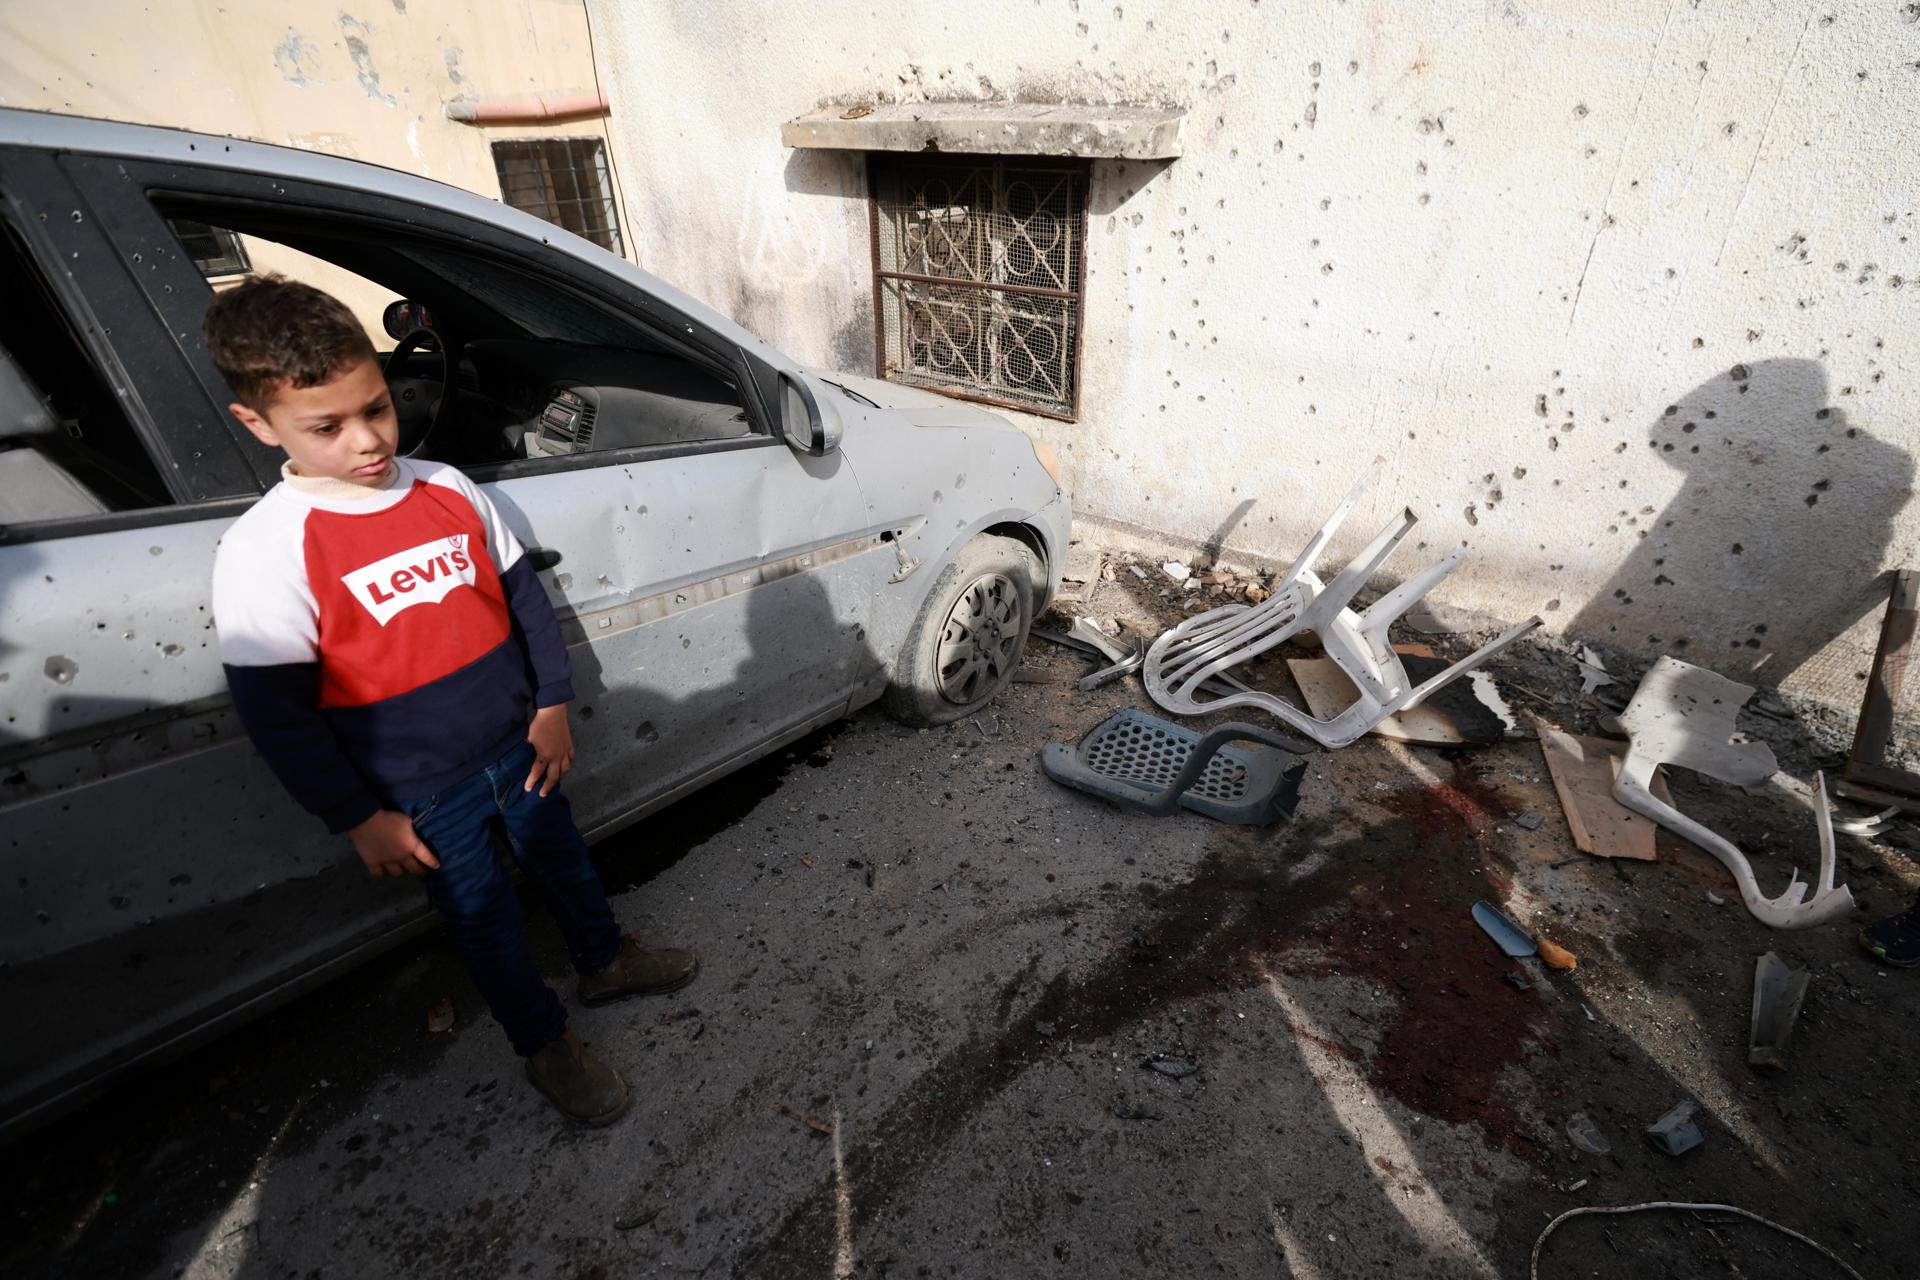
x,y
390,846
552,748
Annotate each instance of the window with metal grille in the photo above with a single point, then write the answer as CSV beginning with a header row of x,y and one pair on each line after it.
x,y
563,180
215,250
977,266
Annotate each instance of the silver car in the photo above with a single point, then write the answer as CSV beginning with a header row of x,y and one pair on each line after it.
x,y
740,550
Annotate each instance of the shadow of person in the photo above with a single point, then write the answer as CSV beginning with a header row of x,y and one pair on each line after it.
x,y
1773,546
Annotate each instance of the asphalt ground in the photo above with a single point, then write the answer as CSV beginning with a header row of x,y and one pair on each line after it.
x,y
955,1020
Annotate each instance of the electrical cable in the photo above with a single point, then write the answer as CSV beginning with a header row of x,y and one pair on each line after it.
x,y
1533,1265
632,251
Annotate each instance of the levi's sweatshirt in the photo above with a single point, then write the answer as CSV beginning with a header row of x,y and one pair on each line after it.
x,y
382,643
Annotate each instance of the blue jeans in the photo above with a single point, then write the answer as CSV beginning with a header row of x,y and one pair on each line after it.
x,y
475,897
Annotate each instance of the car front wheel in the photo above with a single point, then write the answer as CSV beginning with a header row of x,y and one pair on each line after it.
x,y
968,639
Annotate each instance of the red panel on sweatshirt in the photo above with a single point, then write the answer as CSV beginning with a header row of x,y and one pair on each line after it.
x,y
406,595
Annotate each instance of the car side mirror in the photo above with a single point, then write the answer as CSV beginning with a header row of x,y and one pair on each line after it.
x,y
403,316
808,425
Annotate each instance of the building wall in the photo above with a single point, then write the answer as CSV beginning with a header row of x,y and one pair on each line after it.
x,y
1624,291
370,82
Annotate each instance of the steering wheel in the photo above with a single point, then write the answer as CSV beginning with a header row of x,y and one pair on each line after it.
x,y
427,339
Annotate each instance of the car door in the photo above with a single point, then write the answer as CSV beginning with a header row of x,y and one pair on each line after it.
x,y
714,589
158,880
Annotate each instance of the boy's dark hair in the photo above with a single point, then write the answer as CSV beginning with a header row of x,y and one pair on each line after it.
x,y
269,330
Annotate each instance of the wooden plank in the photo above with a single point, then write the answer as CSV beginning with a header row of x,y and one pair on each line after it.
x,y
1328,692
1889,672
1583,771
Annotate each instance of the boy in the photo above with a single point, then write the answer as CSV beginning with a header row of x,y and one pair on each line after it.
x,y
384,638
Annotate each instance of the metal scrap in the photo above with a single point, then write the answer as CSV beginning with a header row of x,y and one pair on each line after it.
x,y
1778,991
1675,1132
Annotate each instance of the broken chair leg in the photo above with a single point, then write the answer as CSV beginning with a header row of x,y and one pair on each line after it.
x,y
1186,666
1684,715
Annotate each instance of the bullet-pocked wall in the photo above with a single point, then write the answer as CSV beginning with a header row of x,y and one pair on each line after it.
x,y
369,81
1624,291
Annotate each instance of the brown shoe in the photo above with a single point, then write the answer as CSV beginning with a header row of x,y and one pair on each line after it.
x,y
580,1085
639,972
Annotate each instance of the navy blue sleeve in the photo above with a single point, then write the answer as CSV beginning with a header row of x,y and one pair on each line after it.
x,y
546,651
279,707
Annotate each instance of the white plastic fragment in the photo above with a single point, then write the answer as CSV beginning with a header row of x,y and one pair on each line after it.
x,y
1684,715
1183,662
1869,826
1177,571
1593,671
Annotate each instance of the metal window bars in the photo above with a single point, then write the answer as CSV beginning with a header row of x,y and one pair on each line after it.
x,y
978,266
562,180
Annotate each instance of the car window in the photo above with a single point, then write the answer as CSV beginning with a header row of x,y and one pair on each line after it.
x,y
540,310
67,447
247,256
544,373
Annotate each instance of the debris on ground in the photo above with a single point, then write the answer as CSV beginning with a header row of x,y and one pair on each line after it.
x,y
1586,1135
1529,821
440,1015
1683,715
1778,991
1177,571
635,1218
1675,1132
1172,1066
1583,772
1593,671
1455,715
1510,937
1155,767
818,1126
1556,956
1872,826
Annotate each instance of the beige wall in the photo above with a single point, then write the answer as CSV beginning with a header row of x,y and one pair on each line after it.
x,y
1625,290
370,81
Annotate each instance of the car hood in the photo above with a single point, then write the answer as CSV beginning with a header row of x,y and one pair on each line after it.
x,y
922,408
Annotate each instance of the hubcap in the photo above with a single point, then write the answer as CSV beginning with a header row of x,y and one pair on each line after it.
x,y
977,643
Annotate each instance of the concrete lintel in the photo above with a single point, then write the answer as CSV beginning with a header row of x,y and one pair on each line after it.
x,y
994,128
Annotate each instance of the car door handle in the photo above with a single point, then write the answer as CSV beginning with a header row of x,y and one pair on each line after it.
x,y
542,558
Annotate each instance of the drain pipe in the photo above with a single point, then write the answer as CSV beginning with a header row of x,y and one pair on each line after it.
x,y
544,109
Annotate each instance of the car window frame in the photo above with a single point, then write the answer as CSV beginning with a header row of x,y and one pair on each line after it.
x,y
66,232
293,199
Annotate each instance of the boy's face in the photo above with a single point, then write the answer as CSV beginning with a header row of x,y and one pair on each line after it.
x,y
342,429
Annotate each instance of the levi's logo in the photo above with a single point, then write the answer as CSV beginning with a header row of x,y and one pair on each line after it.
x,y
422,575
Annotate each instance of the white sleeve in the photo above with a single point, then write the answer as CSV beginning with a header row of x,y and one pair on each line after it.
x,y
264,612
501,544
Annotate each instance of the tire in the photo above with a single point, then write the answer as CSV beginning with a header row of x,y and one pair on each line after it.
x,y
967,640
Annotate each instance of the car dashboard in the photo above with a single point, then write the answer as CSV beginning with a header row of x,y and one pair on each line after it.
x,y
561,399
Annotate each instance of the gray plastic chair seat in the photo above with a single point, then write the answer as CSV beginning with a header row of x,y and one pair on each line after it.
x,y
1153,766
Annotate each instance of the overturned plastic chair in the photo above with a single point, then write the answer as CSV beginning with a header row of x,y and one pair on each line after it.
x,y
1185,665
1154,767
